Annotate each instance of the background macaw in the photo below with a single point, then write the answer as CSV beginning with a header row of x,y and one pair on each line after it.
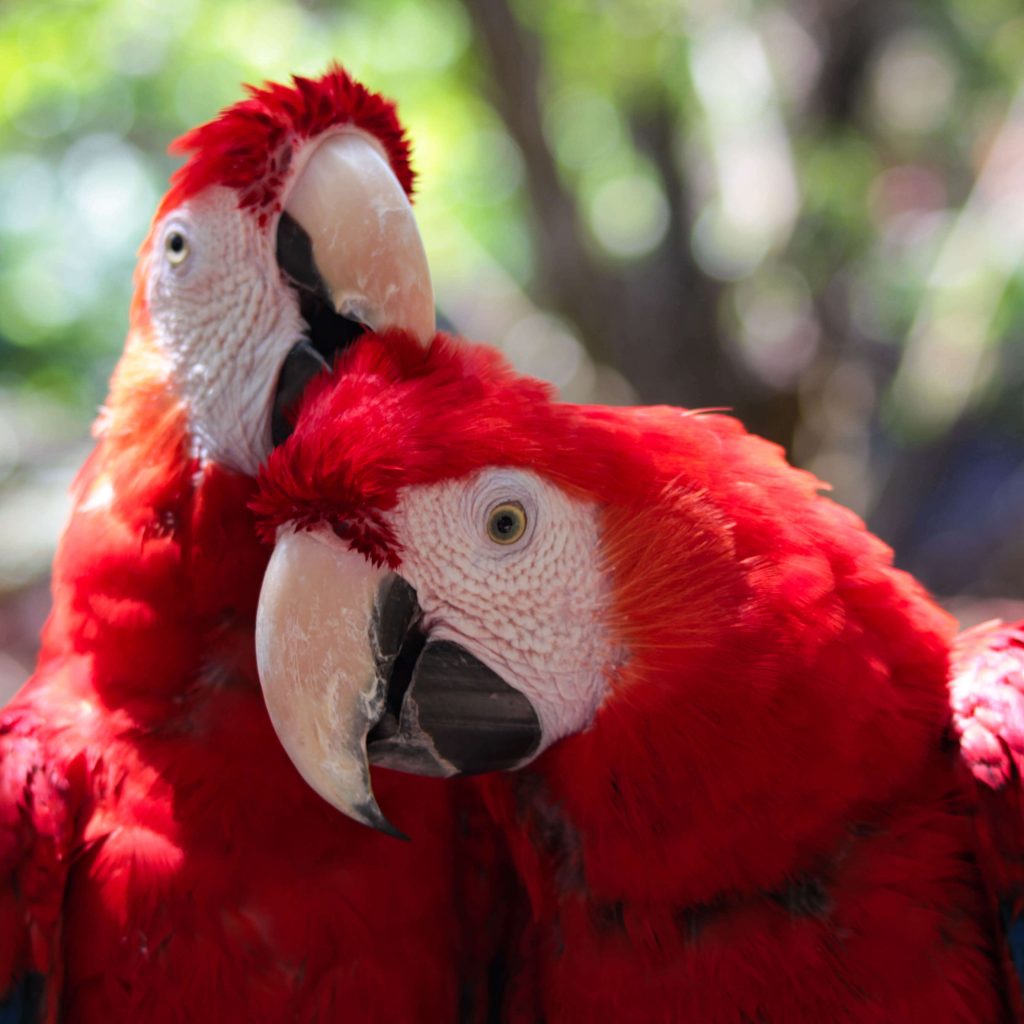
x,y
161,860
738,794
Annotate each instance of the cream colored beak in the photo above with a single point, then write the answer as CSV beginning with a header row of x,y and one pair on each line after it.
x,y
365,242
319,672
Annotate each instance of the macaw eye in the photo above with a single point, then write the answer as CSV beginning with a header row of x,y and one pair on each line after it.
x,y
176,247
506,522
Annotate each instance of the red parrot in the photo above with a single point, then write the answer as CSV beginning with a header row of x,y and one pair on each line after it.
x,y
717,720
161,859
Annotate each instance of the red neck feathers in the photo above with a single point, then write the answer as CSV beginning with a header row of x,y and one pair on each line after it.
x,y
157,574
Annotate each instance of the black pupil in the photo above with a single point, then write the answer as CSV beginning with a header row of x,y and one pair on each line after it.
x,y
176,242
505,524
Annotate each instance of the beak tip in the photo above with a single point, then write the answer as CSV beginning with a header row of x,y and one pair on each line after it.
x,y
370,814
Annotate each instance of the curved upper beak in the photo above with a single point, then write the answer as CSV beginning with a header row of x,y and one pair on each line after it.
x,y
318,672
363,243
350,675
347,239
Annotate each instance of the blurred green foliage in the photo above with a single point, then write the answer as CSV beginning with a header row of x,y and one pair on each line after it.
x,y
847,180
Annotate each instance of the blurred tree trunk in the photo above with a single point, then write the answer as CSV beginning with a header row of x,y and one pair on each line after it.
x,y
849,33
655,319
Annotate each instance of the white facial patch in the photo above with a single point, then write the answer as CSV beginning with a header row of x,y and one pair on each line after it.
x,y
531,609
226,319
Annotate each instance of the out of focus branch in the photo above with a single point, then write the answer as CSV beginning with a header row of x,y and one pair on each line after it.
x,y
654,318
568,277
849,33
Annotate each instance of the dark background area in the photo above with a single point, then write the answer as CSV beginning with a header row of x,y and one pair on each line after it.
x,y
808,211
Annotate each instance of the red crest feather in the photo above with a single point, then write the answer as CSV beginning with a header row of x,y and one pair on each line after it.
x,y
249,146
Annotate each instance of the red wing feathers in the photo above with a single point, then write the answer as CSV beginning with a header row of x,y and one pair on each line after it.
x,y
37,816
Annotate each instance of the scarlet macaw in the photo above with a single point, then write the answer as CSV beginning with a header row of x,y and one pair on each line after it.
x,y
735,789
160,858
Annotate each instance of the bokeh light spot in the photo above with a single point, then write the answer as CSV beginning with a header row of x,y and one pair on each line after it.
x,y
629,215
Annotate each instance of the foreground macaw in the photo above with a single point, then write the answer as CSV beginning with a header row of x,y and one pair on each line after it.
x,y
739,794
160,858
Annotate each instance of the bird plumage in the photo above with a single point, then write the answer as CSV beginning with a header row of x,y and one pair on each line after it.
x,y
160,858
769,817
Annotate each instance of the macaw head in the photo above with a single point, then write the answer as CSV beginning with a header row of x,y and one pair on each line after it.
x,y
288,231
648,604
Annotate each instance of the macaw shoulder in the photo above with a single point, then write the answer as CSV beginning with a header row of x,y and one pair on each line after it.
x,y
987,702
987,699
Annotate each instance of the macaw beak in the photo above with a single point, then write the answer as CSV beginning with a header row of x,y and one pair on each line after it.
x,y
350,676
348,241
